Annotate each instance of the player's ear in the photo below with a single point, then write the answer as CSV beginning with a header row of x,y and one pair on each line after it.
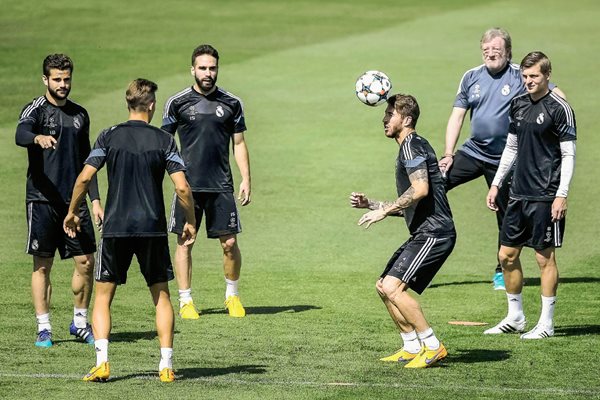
x,y
407,121
152,106
192,70
45,80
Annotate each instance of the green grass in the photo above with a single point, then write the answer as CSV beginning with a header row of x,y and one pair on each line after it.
x,y
315,327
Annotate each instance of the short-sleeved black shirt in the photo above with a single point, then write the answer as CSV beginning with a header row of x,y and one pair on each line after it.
x,y
540,126
431,215
136,155
205,125
52,172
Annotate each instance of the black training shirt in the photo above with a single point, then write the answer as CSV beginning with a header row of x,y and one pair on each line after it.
x,y
52,172
136,155
206,125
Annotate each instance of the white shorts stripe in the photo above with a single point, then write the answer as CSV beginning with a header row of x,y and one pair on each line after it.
x,y
99,260
418,260
29,218
557,237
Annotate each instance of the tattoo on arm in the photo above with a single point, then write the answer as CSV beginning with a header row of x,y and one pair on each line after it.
x,y
376,205
408,198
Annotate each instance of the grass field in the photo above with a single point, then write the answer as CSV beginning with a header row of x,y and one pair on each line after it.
x,y
315,327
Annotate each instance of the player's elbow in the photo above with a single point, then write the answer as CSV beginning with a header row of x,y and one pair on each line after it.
x,y
421,191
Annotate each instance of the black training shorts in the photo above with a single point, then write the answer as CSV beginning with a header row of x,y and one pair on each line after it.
x,y
529,223
418,260
115,255
222,217
45,232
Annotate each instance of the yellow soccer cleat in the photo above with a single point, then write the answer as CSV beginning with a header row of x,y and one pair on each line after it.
x,y
188,311
400,356
99,373
166,375
428,357
235,307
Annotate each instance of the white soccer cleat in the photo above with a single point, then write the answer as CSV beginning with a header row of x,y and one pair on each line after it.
x,y
507,326
541,331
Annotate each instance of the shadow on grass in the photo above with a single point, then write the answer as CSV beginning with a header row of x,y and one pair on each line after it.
x,y
577,330
471,356
197,373
266,309
459,283
561,280
133,336
526,281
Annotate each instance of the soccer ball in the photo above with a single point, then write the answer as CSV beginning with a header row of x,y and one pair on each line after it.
x,y
373,87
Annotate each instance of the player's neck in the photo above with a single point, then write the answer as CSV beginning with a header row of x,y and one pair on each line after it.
x,y
203,92
539,95
140,116
404,134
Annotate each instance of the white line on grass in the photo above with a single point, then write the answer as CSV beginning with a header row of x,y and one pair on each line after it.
x,y
220,380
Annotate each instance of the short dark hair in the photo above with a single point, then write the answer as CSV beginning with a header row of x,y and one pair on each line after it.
x,y
140,94
405,105
534,58
61,62
205,49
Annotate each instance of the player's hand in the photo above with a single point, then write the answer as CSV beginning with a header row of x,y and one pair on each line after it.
x,y
244,196
189,234
359,200
559,208
98,212
72,225
372,217
45,141
444,164
491,198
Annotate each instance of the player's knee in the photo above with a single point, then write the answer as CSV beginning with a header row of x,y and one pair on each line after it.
x,y
229,245
85,265
507,257
379,288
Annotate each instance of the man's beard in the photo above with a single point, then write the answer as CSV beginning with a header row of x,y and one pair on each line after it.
x,y
202,84
59,96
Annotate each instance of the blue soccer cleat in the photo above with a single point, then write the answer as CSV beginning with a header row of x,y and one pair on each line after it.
x,y
499,281
84,334
44,338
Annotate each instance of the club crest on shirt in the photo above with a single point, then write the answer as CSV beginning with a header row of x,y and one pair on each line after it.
x,y
51,125
191,113
476,91
219,111
540,119
505,90
76,123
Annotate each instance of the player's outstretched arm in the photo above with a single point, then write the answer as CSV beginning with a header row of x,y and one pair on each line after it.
x,y
71,223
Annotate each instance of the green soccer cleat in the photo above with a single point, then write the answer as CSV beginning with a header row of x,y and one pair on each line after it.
x,y
400,356
188,311
235,307
428,357
100,373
